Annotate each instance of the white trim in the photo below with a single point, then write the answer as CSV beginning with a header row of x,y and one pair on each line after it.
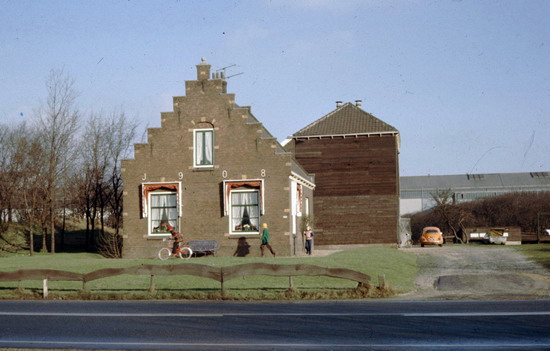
x,y
231,231
293,205
149,219
144,203
226,200
343,135
302,180
286,141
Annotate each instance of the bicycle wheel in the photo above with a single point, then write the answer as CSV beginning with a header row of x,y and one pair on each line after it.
x,y
186,253
164,253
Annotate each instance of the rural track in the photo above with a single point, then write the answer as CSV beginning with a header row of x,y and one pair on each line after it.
x,y
477,273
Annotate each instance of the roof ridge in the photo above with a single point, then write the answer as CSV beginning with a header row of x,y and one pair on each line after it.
x,y
373,116
322,118
347,119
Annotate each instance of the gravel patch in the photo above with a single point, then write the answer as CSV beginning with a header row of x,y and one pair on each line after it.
x,y
478,273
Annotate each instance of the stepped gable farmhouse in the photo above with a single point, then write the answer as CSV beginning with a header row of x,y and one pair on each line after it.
x,y
212,171
355,159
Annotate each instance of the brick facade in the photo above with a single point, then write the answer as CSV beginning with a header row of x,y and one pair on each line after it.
x,y
243,150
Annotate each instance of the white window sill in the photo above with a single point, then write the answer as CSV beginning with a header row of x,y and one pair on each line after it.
x,y
244,234
158,236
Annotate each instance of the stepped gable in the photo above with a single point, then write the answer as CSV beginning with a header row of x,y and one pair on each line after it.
x,y
346,120
214,172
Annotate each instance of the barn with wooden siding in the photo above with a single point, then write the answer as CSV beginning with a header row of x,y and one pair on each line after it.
x,y
355,159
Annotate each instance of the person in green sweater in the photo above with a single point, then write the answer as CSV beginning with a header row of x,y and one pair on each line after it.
x,y
265,241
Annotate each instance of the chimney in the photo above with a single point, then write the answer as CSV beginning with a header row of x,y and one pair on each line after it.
x,y
358,103
203,70
338,104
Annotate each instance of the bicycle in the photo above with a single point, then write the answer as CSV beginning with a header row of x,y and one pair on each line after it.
x,y
183,251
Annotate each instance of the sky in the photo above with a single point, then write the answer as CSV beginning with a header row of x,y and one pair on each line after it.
x,y
466,83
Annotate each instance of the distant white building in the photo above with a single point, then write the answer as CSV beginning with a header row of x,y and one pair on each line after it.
x,y
417,191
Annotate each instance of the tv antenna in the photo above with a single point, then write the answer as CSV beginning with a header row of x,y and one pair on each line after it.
x,y
222,72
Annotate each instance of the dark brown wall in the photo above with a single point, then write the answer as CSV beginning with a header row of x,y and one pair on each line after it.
x,y
364,219
357,190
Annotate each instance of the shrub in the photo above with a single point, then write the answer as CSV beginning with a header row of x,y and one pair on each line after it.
x,y
521,209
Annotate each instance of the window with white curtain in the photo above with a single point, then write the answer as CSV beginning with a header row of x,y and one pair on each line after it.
x,y
204,147
245,211
163,213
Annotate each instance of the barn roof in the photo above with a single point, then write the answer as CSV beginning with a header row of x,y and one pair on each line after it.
x,y
347,119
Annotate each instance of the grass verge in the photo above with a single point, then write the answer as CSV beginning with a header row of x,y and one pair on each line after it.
x,y
398,267
539,253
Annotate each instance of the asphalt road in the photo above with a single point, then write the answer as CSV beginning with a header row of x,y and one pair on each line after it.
x,y
350,325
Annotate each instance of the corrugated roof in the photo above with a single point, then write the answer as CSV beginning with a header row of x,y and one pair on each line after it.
x,y
346,120
477,181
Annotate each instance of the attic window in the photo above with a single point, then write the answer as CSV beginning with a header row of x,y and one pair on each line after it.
x,y
540,174
476,176
204,147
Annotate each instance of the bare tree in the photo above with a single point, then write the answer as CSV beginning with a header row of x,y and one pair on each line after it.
x,y
122,133
21,176
94,156
33,185
454,216
106,140
58,120
6,176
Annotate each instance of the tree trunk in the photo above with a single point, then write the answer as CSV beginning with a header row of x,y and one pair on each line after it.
x,y
31,241
44,242
52,229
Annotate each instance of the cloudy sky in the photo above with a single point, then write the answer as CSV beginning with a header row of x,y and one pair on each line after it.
x,y
467,83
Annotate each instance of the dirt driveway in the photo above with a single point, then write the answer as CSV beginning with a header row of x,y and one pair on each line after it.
x,y
477,272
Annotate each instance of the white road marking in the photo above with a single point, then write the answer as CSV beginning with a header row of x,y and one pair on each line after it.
x,y
284,345
476,314
320,314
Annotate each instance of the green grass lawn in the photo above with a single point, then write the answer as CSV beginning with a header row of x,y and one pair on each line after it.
x,y
398,267
538,253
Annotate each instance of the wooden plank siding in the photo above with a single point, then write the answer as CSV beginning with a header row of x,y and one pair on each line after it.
x,y
357,194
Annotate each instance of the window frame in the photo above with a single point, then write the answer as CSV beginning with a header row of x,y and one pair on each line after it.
x,y
259,211
150,211
147,188
255,183
202,131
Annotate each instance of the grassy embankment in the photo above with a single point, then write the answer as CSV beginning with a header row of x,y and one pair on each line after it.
x,y
398,267
538,253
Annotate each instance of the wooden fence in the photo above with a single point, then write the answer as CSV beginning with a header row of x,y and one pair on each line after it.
x,y
220,274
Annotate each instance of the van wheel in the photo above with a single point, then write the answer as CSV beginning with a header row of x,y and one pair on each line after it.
x,y
421,245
